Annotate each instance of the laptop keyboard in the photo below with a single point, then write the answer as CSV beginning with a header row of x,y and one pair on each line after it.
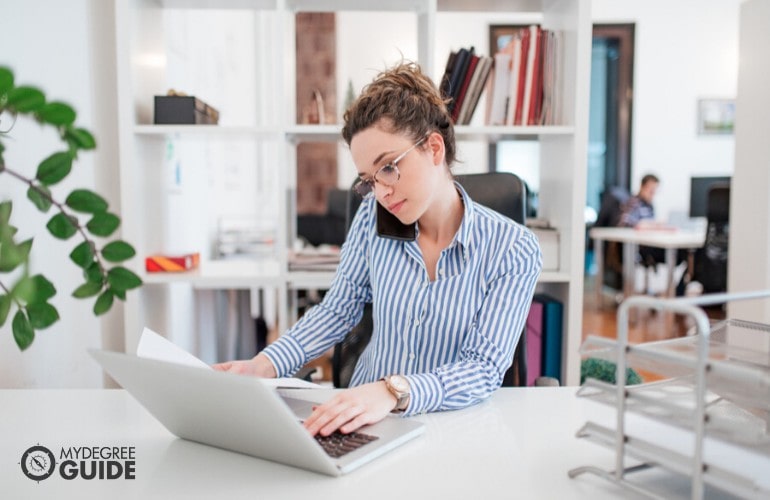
x,y
338,444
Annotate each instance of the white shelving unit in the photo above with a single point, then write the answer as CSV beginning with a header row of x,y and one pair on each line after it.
x,y
146,46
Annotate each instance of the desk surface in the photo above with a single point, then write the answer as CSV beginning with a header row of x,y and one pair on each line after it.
x,y
520,443
674,238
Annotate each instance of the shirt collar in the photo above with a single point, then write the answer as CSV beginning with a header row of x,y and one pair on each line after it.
x,y
464,236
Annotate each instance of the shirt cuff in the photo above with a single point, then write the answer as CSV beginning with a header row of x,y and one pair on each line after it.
x,y
426,394
287,356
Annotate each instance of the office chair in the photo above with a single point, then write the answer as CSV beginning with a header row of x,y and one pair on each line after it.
x,y
612,200
500,191
711,259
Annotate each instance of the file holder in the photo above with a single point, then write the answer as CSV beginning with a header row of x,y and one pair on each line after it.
x,y
713,390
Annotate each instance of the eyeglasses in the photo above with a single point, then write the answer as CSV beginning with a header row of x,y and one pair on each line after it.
x,y
387,175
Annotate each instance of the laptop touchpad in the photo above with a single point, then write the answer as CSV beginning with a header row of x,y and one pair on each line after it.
x,y
300,407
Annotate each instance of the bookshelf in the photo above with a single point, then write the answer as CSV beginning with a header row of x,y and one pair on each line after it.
x,y
257,123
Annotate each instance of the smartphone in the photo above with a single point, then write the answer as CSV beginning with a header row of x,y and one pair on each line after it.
x,y
388,226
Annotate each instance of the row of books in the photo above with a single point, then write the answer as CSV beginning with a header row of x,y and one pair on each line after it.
x,y
520,80
463,82
524,88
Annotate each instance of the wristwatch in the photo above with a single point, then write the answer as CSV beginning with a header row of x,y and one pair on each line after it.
x,y
399,387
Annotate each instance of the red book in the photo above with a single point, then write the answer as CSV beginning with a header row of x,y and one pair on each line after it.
x,y
525,37
534,342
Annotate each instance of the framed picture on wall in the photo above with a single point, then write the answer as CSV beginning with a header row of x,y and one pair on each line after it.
x,y
716,116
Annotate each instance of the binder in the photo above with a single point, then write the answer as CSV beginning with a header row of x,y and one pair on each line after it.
x,y
553,313
534,342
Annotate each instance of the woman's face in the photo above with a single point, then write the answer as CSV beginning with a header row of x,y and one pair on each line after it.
x,y
411,195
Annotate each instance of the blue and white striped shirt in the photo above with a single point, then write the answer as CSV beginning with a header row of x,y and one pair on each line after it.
x,y
454,337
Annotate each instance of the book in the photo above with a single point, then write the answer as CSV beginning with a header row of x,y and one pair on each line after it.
x,y
460,98
553,311
499,89
459,68
534,342
154,346
478,83
522,76
529,75
513,81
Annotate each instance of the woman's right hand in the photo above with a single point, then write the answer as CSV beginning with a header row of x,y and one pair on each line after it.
x,y
258,366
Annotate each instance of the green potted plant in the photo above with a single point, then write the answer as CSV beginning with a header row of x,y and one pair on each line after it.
x,y
82,214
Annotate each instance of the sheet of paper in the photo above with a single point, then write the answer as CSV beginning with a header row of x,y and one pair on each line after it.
x,y
155,346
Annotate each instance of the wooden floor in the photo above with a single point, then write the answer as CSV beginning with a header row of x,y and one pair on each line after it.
x,y
600,319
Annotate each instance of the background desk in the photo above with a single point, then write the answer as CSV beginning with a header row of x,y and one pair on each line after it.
x,y
519,444
669,240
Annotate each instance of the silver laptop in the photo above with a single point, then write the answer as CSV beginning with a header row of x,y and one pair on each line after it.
x,y
242,414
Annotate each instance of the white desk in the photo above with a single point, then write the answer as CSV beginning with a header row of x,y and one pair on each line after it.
x,y
519,444
669,240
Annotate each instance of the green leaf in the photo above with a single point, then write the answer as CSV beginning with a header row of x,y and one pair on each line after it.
x,y
42,202
121,278
25,99
88,289
118,251
57,113
5,308
121,294
62,226
6,80
80,137
44,289
54,168
83,254
42,315
103,224
12,255
93,273
22,330
24,290
86,201
103,303
6,208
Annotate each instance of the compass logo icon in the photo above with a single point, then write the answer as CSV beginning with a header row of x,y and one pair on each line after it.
x,y
38,463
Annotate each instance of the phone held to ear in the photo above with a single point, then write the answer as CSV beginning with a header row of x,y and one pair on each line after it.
x,y
388,226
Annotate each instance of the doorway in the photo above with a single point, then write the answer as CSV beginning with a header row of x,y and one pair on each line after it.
x,y
609,130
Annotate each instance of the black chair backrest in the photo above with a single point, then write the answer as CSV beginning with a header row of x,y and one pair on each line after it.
x,y
718,203
501,191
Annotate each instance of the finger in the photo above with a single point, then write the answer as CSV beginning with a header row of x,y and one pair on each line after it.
x,y
355,424
323,414
222,367
341,419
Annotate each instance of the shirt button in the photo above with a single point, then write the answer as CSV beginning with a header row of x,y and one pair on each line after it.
x,y
416,322
412,356
441,272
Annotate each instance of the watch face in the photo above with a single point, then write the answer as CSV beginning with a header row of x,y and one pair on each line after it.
x,y
399,383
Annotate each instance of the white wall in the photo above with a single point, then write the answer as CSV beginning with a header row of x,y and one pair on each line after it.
x,y
67,50
685,50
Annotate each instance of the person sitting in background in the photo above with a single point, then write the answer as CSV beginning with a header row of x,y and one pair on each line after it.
x,y
639,207
639,212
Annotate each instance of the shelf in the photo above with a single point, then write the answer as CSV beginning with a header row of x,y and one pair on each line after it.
x,y
220,4
213,131
489,133
223,274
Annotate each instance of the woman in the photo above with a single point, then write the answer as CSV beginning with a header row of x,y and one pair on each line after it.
x,y
448,305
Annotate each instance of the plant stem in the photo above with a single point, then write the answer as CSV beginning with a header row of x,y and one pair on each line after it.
x,y
60,206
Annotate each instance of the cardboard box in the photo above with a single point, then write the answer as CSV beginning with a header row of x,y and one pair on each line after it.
x,y
549,246
171,264
183,110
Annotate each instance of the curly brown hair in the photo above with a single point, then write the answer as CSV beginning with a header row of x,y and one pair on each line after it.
x,y
404,100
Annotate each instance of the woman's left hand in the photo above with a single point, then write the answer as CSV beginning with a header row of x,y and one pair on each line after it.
x,y
352,409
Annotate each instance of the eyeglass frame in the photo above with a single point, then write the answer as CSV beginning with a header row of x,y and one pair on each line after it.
x,y
391,164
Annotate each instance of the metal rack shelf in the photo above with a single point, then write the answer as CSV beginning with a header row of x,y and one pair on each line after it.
x,y
715,395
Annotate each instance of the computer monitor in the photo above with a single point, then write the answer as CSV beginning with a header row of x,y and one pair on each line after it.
x,y
699,190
